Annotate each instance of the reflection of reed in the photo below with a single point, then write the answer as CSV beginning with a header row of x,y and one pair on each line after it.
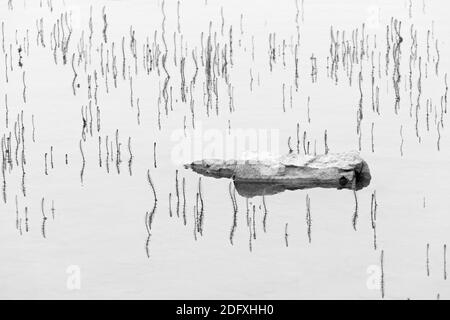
x,y
53,209
51,157
265,213
154,154
105,25
24,92
44,218
83,162
195,220
373,218
148,223
232,192
17,212
308,217
100,151
107,154
26,220
34,128
254,222
201,209
286,235
355,213
150,214
118,154
45,164
249,222
130,161
170,204
149,179
177,192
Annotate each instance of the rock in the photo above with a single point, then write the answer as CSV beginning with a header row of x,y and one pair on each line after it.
x,y
290,172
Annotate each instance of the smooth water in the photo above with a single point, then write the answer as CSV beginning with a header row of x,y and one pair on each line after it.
x,y
96,244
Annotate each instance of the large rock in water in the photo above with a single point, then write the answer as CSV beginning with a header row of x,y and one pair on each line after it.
x,y
268,176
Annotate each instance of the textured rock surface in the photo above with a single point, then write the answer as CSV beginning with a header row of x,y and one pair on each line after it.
x,y
341,170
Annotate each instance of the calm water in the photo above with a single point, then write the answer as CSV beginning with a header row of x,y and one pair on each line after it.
x,y
99,223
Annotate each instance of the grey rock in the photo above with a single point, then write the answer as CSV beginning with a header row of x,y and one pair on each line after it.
x,y
290,172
